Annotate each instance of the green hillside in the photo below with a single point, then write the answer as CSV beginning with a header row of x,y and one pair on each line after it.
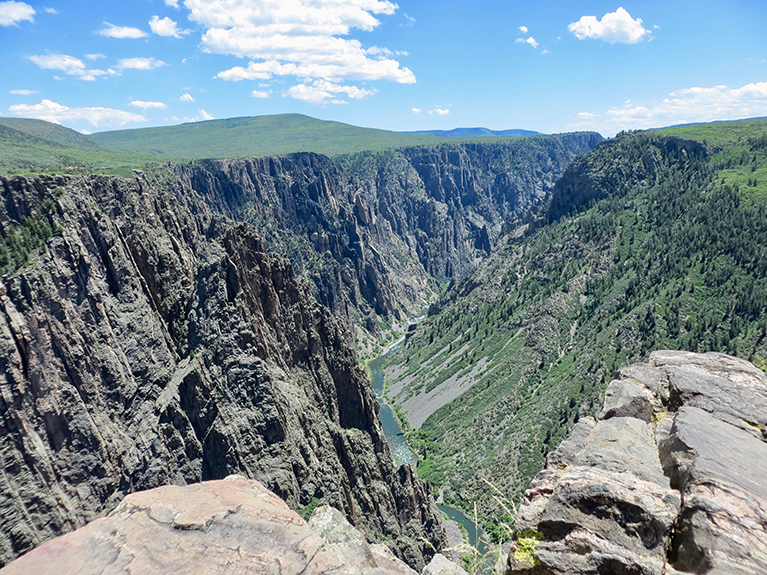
x,y
256,136
649,242
32,146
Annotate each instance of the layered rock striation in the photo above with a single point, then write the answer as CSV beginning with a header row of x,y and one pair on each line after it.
x,y
372,230
157,342
669,478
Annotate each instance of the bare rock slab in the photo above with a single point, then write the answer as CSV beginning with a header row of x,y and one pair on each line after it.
x,y
232,526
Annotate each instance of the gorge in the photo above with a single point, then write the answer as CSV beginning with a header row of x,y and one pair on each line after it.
x,y
204,319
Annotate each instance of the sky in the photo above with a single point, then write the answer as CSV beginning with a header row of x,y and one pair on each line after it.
x,y
545,65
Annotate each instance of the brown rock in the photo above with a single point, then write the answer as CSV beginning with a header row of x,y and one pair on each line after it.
x,y
231,526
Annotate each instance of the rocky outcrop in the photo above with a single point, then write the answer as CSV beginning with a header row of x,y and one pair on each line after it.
x,y
227,526
670,478
157,342
371,229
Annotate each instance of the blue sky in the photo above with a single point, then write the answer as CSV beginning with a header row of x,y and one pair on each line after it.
x,y
549,65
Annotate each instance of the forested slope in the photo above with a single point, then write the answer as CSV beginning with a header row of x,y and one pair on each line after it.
x,y
650,241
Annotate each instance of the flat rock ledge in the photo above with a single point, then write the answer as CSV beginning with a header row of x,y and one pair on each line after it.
x,y
232,526
670,478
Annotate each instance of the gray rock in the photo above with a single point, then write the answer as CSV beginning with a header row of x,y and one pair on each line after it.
x,y
626,398
732,389
682,491
441,565
721,472
156,343
228,526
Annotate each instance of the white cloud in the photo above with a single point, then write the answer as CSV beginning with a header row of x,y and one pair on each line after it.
x,y
616,26
416,110
23,92
259,94
97,117
166,27
685,106
186,98
148,105
523,29
140,64
51,10
322,91
529,40
112,31
305,39
203,116
172,3
586,115
70,65
409,20
13,12
440,111
94,56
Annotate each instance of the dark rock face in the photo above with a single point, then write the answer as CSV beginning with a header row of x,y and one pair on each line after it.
x,y
684,490
156,342
226,526
370,230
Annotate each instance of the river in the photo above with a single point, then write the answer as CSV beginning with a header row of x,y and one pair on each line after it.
x,y
399,447
401,450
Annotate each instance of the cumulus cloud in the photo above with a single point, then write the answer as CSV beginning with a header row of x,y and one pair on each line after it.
x,y
94,56
529,40
140,64
71,66
97,117
148,105
696,104
523,29
112,31
305,39
616,26
586,115
172,3
416,110
166,27
259,94
11,13
322,92
440,111
23,92
186,98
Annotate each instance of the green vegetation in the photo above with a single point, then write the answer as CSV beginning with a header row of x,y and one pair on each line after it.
x,y
21,242
306,512
527,547
257,136
648,243
33,146
30,146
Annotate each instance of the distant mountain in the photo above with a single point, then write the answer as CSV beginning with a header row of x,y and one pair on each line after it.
x,y
256,136
477,133
28,145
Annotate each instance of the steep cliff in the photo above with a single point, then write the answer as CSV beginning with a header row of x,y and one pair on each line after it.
x,y
373,230
157,342
670,477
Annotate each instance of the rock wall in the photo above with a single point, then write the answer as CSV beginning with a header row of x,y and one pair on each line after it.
x,y
372,230
157,342
670,478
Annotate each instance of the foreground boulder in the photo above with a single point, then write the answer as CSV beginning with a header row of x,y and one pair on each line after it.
x,y
671,477
227,526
